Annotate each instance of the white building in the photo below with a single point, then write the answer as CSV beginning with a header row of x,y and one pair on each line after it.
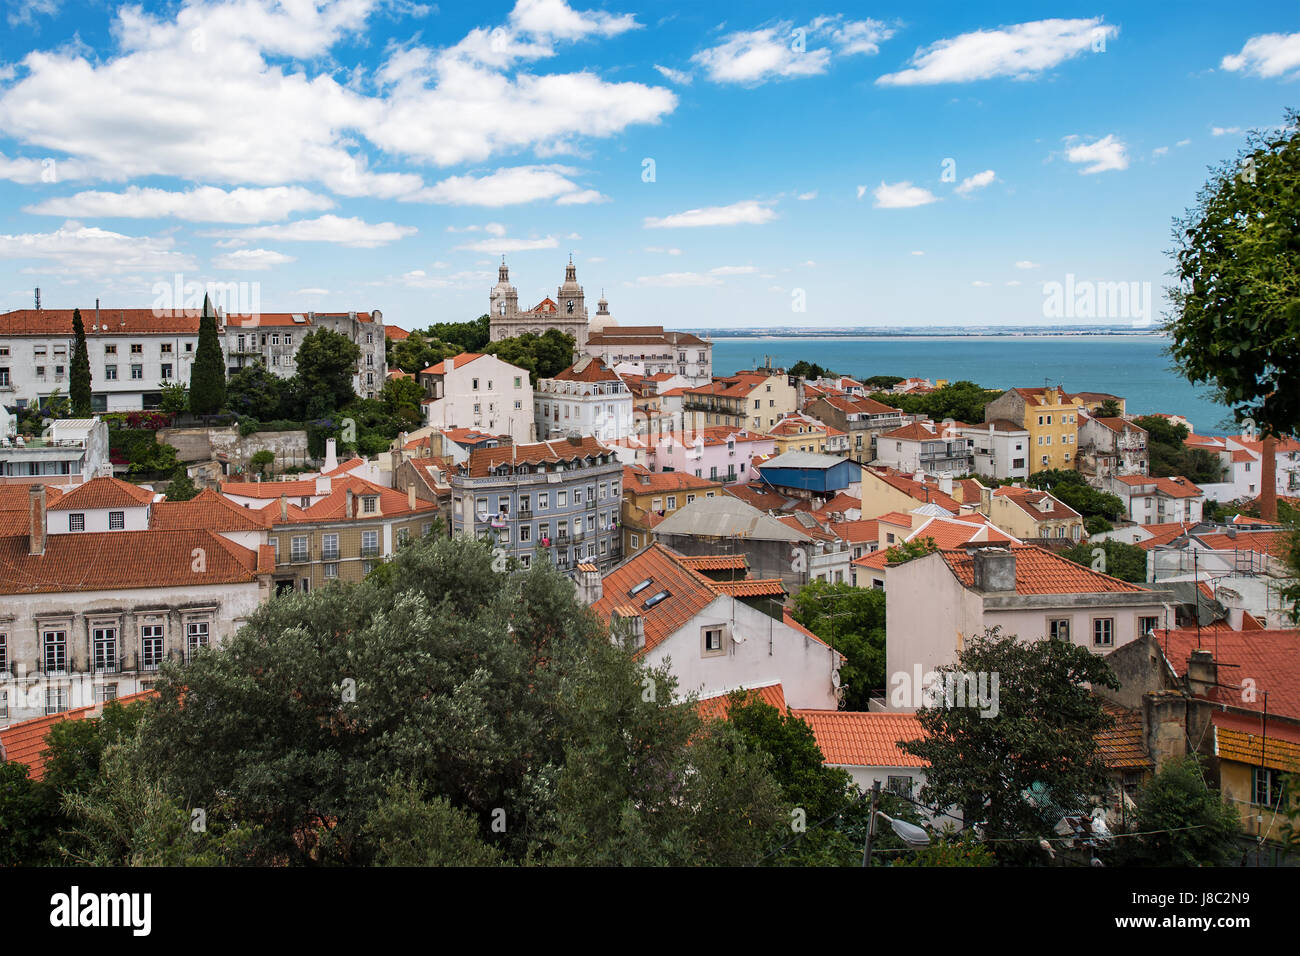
x,y
1149,500
589,398
1000,448
272,338
925,446
654,350
478,391
71,450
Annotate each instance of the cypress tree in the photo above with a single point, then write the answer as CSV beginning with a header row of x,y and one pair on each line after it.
x,y
208,374
79,385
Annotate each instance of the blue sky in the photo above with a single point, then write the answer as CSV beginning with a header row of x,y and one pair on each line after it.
x,y
708,165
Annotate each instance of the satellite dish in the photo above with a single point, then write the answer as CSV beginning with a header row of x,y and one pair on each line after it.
x,y
835,679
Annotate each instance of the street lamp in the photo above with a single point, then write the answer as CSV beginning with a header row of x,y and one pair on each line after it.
x,y
909,833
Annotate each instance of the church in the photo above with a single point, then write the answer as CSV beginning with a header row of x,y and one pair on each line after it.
x,y
567,312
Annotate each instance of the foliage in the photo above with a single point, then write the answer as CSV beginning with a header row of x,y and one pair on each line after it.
x,y
1109,409
208,373
883,381
1125,561
1169,457
182,487
543,356
417,352
408,829
471,336
809,370
1097,525
1236,317
962,401
1203,825
154,458
401,398
26,821
491,693
262,461
1042,736
79,370
1072,490
255,392
851,620
906,551
175,398
326,361
951,850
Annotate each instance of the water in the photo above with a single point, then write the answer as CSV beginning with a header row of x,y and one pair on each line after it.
x,y
1134,367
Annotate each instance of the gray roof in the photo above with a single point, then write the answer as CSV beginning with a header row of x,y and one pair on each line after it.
x,y
724,517
802,459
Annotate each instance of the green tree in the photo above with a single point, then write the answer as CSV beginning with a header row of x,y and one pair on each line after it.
x,y
906,551
1120,560
1182,820
962,401
852,620
1236,317
327,360
882,381
1038,735
27,823
417,352
1097,525
471,336
182,487
963,850
208,373
1073,490
544,356
254,392
809,370
79,370
262,461
1170,457
407,829
175,398
401,398
1109,409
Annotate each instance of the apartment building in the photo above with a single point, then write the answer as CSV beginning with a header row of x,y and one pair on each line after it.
x,y
589,398
800,432
864,419
71,450
561,496
1027,513
1050,415
1149,500
756,400
1111,446
652,351
719,453
999,448
272,338
478,391
649,497
935,449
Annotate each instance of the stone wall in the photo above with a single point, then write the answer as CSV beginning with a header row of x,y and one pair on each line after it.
x,y
204,444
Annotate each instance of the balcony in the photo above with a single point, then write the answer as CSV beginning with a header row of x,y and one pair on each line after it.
x,y
524,514
591,505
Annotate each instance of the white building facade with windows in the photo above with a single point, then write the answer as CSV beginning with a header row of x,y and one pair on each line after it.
x,y
482,392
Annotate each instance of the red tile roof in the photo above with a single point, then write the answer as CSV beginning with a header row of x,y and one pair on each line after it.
x,y
1274,543
1123,746
111,321
1173,487
344,468
857,532
206,510
333,507
1268,658
1039,571
720,706
119,560
926,492
714,562
103,492
483,460
588,369
396,334
1030,502
858,404
270,489
860,739
639,480
751,587
689,592
458,361
24,742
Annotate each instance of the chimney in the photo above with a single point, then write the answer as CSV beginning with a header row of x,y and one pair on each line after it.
x,y
590,588
945,484
96,313
349,510
995,569
331,455
410,495
628,623
38,298
284,509
1202,673
36,522
986,501
1268,480
322,485
449,363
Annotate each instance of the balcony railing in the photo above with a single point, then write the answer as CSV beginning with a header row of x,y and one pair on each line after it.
x,y
524,514
591,505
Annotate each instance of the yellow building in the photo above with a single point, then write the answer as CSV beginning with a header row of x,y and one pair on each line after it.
x,y
799,432
1050,415
755,400
1029,514
651,496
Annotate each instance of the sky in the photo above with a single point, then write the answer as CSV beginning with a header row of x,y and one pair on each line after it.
x,y
707,165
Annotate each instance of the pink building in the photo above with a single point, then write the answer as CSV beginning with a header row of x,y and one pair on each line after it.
x,y
718,453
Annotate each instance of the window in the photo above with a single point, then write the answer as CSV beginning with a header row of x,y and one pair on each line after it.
x,y
166,370
298,548
901,785
712,640
367,567
4,653
110,373
104,645
108,350
369,543
525,560
403,536
76,522
636,541
1147,624
1103,632
562,499
151,646
474,384
196,635
55,651
329,547
275,547
116,520
1058,629
543,500
370,504
137,372
137,349
166,348
106,692
4,705
331,571
518,379
56,700
1267,787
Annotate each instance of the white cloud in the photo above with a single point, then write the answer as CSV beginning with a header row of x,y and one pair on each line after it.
x,y
1183,142
900,195
804,197
1160,151
862,191
1013,282
978,181
500,246
311,291
1099,155
26,11
1224,130
419,279
673,251
1026,264
745,212
555,18
917,252
348,232
508,186
675,76
751,57
1267,55
253,260
675,280
1021,51
74,248
28,171
200,204
981,283
733,270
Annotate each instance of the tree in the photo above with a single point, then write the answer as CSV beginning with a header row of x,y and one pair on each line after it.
x,y
471,336
1182,820
1120,560
79,370
254,392
809,370
26,821
182,487
1041,737
1073,490
401,398
327,360
498,694
262,461
409,830
1097,525
906,551
1169,455
208,373
544,356
1109,409
852,620
962,401
175,398
882,381
417,352
1236,317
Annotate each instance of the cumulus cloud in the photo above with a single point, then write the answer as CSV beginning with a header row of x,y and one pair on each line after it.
x,y
252,260
900,195
978,181
746,212
782,50
200,204
352,231
1267,55
1026,264
733,270
1224,130
77,249
1022,51
509,186
1099,155
674,76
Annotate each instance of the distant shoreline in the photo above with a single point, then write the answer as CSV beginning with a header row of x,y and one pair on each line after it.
x,y
926,334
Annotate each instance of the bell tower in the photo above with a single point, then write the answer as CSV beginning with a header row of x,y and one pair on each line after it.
x,y
568,297
503,301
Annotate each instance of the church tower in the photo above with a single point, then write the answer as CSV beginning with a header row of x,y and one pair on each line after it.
x,y
568,298
503,301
